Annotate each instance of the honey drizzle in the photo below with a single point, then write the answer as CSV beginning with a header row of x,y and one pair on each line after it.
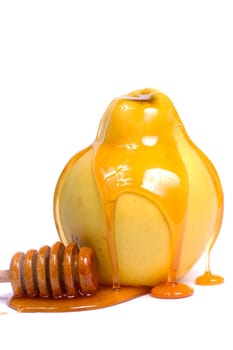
x,y
118,170
208,278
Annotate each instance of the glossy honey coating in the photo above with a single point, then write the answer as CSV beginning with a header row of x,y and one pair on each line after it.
x,y
143,196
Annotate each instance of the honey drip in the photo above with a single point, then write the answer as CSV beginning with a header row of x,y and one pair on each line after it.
x,y
130,167
208,279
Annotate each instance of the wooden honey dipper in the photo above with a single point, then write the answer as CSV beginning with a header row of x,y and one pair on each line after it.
x,y
56,272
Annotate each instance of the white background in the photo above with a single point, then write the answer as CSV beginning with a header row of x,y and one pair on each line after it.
x,y
61,63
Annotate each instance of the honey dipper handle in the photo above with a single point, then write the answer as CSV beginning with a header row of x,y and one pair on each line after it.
x,y
4,275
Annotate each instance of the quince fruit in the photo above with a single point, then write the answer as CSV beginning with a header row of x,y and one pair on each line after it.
x,y
143,195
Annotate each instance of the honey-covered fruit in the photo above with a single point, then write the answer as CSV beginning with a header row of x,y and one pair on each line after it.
x,y
143,196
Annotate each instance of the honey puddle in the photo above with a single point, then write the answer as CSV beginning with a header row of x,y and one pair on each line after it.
x,y
104,297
